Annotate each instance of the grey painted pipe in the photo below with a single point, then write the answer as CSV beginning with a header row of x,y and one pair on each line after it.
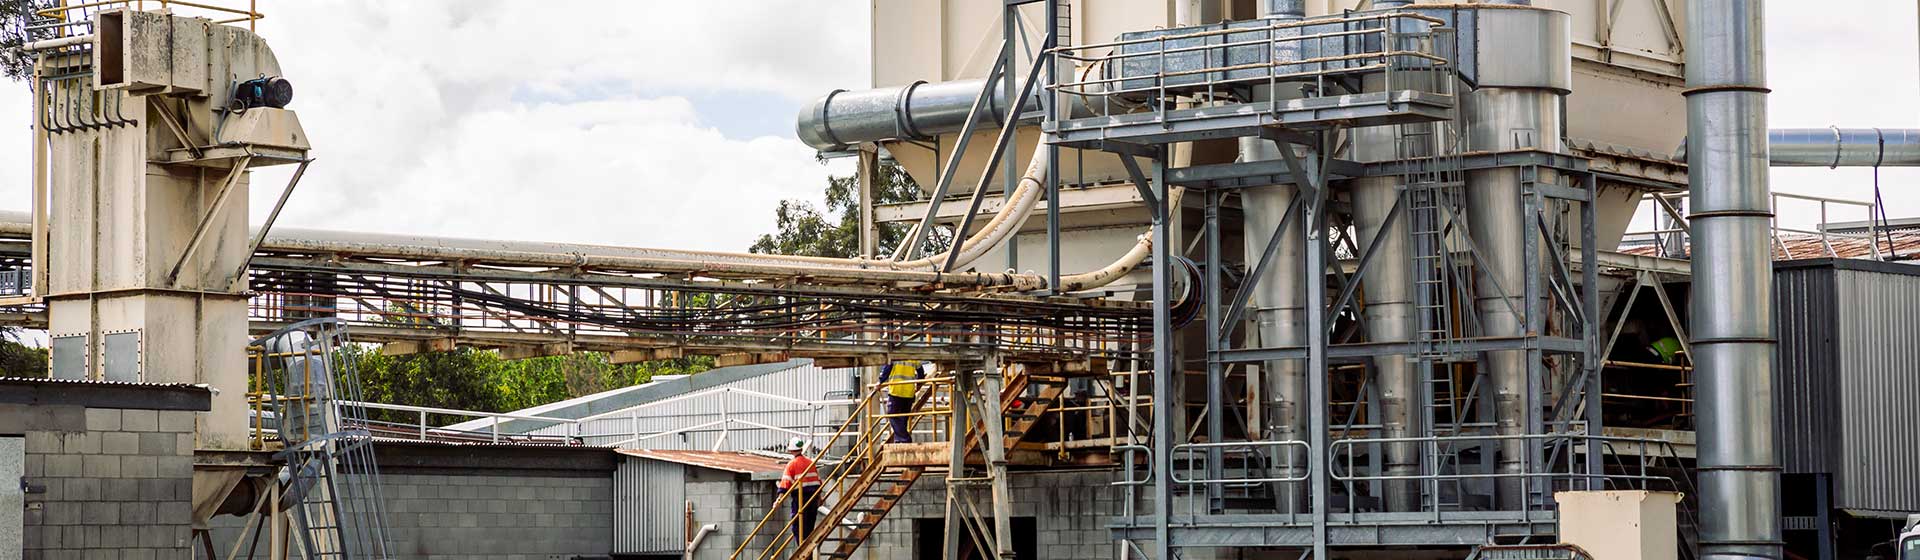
x,y
1732,315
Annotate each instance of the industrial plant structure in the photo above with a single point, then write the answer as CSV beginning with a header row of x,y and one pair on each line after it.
x,y
1229,279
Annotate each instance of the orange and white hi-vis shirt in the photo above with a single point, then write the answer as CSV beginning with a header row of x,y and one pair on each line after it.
x,y
799,469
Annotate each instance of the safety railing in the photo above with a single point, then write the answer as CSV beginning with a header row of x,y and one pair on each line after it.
x,y
425,424
1669,235
1554,466
933,400
225,14
1410,49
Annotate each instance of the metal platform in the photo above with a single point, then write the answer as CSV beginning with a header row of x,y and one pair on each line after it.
x,y
1251,119
1462,529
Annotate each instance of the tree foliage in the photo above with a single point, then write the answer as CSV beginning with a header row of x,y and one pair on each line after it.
x,y
481,380
808,230
18,359
14,18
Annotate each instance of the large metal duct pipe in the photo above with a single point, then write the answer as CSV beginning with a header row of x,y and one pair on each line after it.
x,y
917,110
1284,9
1843,147
1506,119
1278,303
1732,315
1833,147
1516,109
1389,310
1279,298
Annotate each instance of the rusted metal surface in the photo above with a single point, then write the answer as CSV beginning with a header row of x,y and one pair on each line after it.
x,y
730,461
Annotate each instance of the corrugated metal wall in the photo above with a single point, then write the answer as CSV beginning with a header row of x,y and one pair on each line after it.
x,y
806,382
1808,408
1879,361
1850,379
649,507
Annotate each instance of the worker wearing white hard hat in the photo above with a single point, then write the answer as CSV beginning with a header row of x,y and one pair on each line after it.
x,y
801,477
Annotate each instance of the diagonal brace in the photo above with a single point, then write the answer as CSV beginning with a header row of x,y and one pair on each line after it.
x,y
206,221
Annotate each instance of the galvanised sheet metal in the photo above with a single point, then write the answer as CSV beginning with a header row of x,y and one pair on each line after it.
x,y
1879,362
1808,406
802,381
1850,373
649,507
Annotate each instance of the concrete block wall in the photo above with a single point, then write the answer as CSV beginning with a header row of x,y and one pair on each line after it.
x,y
734,505
506,516
488,514
1070,511
120,488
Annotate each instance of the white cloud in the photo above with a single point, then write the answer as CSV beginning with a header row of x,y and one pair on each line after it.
x,y
519,120
573,123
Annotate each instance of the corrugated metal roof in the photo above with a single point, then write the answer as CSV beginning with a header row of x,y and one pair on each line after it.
x,y
800,384
1905,244
730,461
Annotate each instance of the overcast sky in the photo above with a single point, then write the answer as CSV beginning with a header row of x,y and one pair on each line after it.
x,y
670,124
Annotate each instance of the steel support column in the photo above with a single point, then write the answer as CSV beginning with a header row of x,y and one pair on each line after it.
x,y
1165,366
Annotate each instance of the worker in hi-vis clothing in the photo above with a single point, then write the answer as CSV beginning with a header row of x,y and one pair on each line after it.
x,y
800,471
900,398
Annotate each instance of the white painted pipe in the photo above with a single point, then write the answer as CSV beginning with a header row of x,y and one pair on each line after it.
x,y
57,43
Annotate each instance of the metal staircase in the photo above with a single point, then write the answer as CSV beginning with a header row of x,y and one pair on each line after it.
x,y
868,482
311,393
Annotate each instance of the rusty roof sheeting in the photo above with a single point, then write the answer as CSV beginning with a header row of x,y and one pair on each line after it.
x,y
1906,244
743,463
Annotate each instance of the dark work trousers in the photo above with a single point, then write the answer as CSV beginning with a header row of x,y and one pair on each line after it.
x,y
896,408
804,510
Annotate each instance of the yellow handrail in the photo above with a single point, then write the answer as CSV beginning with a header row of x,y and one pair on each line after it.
x,y
865,403
862,450
249,15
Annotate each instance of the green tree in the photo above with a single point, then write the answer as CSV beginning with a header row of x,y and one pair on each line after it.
x,y
481,380
18,359
806,229
14,18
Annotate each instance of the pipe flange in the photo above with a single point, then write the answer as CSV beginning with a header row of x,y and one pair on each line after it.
x,y
826,124
1735,340
903,114
1730,214
1747,88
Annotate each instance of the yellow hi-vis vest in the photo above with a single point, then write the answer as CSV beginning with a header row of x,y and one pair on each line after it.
x,y
903,371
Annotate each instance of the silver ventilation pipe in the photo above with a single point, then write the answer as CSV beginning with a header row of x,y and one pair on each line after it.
x,y
1833,147
1284,9
1843,147
1279,298
1506,119
1514,110
1732,315
918,110
1278,302
1389,308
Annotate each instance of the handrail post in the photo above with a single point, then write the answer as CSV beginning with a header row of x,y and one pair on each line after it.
x,y
423,425
496,428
